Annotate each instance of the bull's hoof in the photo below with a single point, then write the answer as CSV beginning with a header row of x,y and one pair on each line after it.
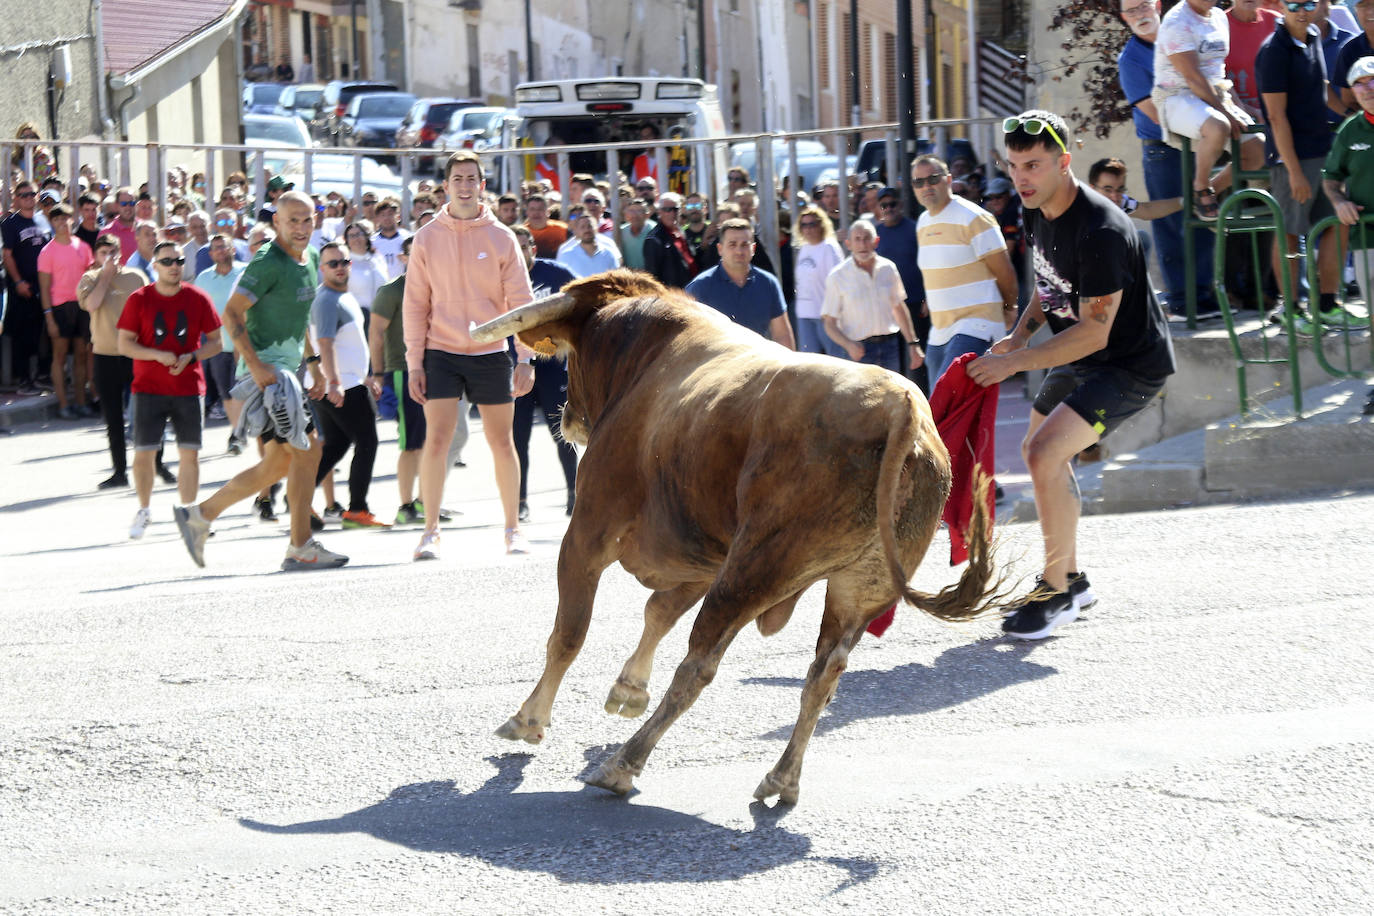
x,y
786,792
613,776
514,730
626,700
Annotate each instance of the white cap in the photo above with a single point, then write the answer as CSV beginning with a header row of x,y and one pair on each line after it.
x,y
1360,69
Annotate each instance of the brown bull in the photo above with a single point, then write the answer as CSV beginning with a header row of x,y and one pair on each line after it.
x,y
724,467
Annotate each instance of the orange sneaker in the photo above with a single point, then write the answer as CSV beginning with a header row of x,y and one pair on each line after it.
x,y
362,520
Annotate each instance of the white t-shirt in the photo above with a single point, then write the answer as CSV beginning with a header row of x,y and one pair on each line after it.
x,y
337,315
390,250
1184,30
366,277
814,263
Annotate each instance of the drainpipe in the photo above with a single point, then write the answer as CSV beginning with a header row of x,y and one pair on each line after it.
x,y
123,113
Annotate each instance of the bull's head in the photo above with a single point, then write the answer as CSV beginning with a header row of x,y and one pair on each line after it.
x,y
555,326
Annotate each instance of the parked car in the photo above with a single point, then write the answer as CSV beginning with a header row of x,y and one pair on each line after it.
x,y
815,162
331,172
873,155
275,132
337,96
261,98
372,119
302,101
476,129
425,121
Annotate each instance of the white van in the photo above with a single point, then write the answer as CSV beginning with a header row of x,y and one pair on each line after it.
x,y
681,112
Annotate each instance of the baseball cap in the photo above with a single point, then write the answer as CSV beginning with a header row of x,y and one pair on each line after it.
x,y
1360,69
889,192
175,222
279,183
998,186
50,195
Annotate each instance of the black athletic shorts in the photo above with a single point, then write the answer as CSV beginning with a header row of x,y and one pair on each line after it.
x,y
410,416
482,379
151,413
1104,397
73,322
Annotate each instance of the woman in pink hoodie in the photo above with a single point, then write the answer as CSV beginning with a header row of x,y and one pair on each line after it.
x,y
465,268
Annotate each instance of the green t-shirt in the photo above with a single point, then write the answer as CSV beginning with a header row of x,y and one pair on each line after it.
x,y
387,303
282,291
1351,161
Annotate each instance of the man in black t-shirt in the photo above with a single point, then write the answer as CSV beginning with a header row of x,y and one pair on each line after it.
x,y
1109,355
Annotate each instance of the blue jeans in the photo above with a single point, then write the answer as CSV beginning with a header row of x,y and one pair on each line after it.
x,y
884,351
939,356
1164,179
811,338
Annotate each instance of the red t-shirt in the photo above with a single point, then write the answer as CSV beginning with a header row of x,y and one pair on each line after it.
x,y
1246,38
172,323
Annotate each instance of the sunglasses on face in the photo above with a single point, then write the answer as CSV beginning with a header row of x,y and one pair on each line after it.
x,y
667,209
334,263
888,205
168,262
1305,7
126,203
224,222
1035,127
809,224
930,180
27,194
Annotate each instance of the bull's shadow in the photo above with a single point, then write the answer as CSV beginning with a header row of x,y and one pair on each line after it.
x,y
959,674
587,836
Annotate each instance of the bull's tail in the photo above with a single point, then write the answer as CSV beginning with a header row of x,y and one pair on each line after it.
x,y
974,594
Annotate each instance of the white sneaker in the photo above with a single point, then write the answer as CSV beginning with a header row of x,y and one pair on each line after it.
x,y
194,531
311,555
140,524
515,541
429,546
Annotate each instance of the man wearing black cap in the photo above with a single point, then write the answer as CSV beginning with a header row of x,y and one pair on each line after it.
x,y
897,243
275,188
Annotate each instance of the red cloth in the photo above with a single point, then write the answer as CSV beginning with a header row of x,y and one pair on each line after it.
x,y
966,415
646,166
172,323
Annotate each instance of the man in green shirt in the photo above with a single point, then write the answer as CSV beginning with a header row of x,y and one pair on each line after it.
x,y
387,343
1348,175
267,316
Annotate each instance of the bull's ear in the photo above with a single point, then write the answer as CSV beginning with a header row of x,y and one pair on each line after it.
x,y
545,347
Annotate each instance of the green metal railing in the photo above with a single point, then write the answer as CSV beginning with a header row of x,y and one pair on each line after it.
x,y
1266,217
1347,332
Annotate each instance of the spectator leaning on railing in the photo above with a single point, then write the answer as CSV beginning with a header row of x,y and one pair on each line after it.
x,y
1348,176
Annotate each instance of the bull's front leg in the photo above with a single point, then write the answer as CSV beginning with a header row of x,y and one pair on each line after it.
x,y
629,694
577,581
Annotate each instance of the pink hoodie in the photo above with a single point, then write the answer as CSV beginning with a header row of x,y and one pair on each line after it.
x,y
460,271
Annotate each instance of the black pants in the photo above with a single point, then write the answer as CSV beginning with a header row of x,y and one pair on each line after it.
x,y
113,376
355,424
25,328
549,394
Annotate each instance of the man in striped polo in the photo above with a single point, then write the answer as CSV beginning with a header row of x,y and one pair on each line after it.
x,y
969,278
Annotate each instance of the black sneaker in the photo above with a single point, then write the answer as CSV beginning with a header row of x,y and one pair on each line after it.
x,y
114,481
407,515
1040,613
316,523
266,513
166,474
524,513
1082,592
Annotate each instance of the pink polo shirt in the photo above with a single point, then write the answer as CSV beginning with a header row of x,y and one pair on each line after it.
x,y
65,263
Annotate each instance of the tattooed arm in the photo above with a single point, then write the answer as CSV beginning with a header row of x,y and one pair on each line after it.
x,y
236,322
1087,336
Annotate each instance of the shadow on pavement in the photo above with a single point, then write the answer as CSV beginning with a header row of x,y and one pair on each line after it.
x,y
960,674
585,837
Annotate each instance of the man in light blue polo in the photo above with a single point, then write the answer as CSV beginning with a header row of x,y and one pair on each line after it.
x,y
218,282
747,295
588,252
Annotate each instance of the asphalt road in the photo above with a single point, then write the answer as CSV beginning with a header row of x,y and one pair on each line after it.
x,y
238,740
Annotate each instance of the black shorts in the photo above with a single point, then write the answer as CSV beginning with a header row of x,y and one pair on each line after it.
x,y
151,413
1104,397
481,379
73,322
410,417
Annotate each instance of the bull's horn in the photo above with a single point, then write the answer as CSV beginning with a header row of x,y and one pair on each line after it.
x,y
545,310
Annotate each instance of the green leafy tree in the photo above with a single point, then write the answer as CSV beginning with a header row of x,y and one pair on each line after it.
x,y
1093,36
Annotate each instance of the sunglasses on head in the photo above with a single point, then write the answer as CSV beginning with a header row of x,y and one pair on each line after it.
x,y
1033,126
168,262
931,180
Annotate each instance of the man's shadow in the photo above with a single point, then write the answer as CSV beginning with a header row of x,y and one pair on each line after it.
x,y
960,674
587,836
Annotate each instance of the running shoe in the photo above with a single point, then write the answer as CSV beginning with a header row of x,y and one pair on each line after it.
x,y
311,555
216,412
263,506
67,413
1342,317
1082,592
28,390
166,474
445,515
362,520
140,524
408,515
235,446
334,510
114,481
1040,613
194,531
88,410
515,542
524,514
572,501
428,548
316,523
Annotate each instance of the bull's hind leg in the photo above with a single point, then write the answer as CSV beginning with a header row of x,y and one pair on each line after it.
x,y
629,694
578,576
841,628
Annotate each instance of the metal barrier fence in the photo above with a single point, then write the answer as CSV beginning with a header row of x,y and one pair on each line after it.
x,y
775,158
1347,331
